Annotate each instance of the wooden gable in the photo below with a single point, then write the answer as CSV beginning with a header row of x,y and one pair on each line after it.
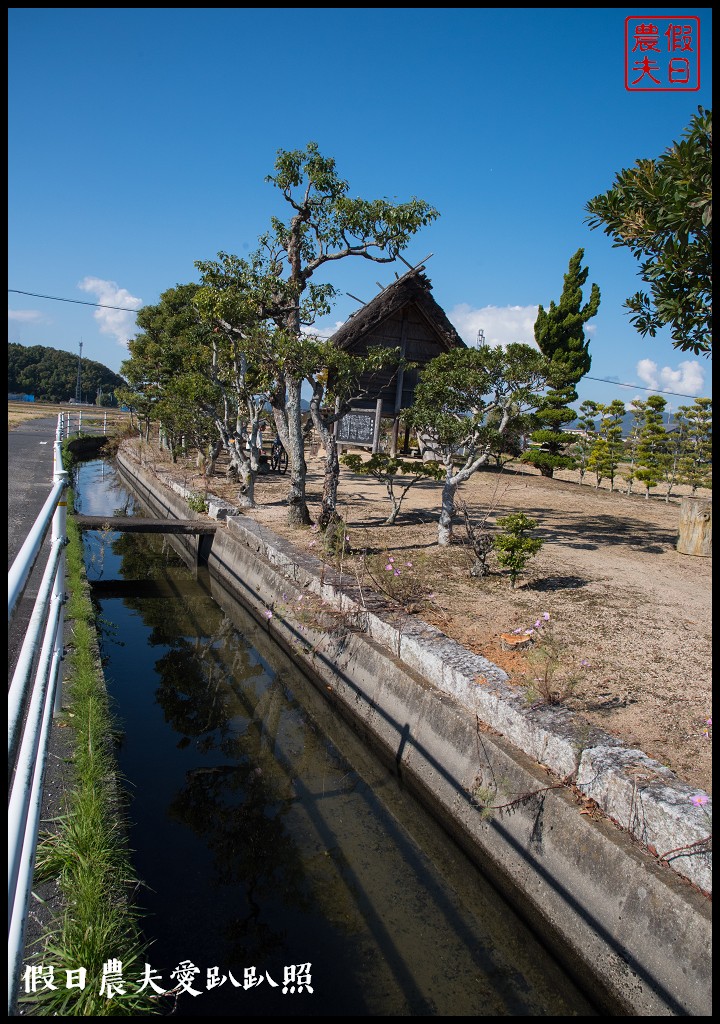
x,y
406,316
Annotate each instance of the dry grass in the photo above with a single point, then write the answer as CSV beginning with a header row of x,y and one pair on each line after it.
x,y
22,412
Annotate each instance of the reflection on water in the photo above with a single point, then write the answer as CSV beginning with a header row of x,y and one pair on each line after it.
x,y
267,834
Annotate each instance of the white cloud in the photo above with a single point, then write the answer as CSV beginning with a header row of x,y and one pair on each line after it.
x,y
27,316
117,322
500,324
687,379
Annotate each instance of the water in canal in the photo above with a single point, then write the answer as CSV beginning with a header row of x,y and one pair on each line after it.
x,y
286,871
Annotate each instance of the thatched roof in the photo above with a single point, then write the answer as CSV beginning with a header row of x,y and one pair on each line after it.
x,y
413,288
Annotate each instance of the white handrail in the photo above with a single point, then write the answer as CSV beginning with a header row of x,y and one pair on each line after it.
x,y
30,709
21,568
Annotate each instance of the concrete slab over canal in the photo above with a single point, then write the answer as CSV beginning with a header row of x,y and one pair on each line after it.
x,y
627,926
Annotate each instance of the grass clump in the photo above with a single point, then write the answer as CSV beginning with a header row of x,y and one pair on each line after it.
x,y
86,852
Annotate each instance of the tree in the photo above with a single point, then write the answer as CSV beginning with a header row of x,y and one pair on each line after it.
x,y
696,458
662,211
513,547
583,446
632,442
50,374
652,444
388,469
168,370
457,399
275,286
609,448
560,335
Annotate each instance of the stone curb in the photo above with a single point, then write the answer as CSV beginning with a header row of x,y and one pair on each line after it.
x,y
640,795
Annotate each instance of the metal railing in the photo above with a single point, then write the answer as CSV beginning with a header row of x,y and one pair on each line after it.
x,y
34,696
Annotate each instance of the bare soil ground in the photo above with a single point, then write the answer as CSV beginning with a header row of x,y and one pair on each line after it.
x,y
618,594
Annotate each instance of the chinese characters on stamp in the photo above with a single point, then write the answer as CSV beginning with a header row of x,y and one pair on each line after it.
x,y
662,53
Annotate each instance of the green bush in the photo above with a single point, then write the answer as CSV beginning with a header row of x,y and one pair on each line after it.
x,y
513,547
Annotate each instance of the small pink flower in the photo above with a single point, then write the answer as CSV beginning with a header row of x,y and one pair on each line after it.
x,y
268,614
585,663
529,632
409,565
396,573
312,543
546,615
388,568
699,800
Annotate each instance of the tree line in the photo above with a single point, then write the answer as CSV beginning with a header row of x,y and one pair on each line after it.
x,y
51,375
214,359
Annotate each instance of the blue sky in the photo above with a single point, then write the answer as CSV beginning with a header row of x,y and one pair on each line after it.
x,y
140,138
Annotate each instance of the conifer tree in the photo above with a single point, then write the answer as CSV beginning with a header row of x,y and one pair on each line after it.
x,y
653,444
610,440
560,335
696,457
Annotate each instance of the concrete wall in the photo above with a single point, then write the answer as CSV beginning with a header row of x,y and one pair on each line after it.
x,y
629,929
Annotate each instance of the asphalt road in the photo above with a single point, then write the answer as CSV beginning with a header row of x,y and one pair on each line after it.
x,y
30,480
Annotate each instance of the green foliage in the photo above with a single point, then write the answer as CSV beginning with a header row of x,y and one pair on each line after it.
x,y
583,444
560,335
695,468
169,369
652,444
51,374
266,300
466,398
661,209
196,502
513,547
559,330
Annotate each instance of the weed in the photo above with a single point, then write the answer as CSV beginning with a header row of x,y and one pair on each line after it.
x,y
548,681
197,502
399,579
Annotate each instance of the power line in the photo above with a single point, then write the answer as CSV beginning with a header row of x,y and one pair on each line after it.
x,y
78,302
600,380
638,387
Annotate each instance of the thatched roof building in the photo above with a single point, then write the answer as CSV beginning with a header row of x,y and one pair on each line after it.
x,y
406,316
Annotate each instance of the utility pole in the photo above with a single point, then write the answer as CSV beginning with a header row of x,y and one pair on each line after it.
x,y
78,387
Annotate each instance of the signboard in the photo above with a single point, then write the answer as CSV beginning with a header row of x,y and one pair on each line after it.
x,y
357,428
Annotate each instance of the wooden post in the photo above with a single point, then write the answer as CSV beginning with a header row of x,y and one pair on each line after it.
x,y
376,431
695,527
406,442
394,437
399,386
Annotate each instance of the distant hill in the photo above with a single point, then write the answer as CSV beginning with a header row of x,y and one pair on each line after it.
x,y
627,422
51,374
